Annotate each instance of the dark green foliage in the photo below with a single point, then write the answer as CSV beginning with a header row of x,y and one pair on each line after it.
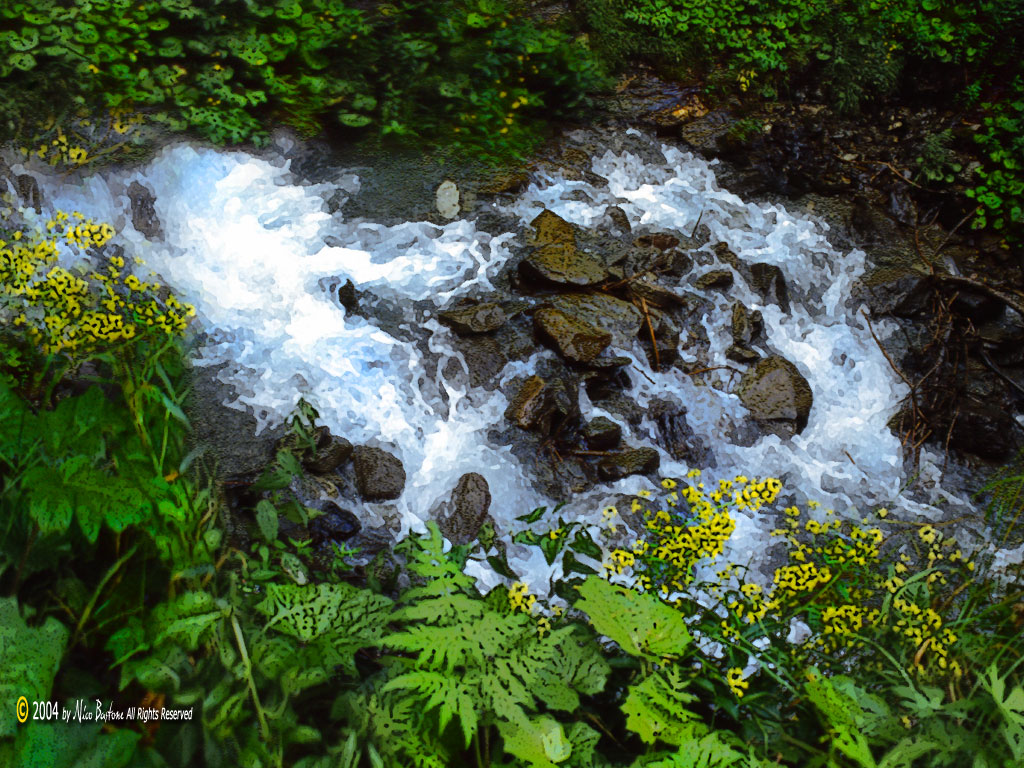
x,y
231,70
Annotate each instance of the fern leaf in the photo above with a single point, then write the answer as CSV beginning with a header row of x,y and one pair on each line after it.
x,y
640,623
841,713
567,664
437,647
354,617
656,709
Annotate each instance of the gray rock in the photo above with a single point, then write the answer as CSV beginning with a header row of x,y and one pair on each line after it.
x,y
379,475
673,433
716,278
460,521
574,339
480,318
777,396
635,461
602,434
144,217
619,218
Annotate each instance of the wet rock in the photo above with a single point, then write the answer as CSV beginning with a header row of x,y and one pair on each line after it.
x,y
768,281
984,430
726,255
977,307
462,517
746,325
379,475
647,289
504,182
563,264
618,218
777,395
606,377
574,339
144,218
667,335
485,358
673,433
716,278
619,318
602,434
635,461
330,453
659,241
27,189
551,229
335,524
481,318
540,405
741,354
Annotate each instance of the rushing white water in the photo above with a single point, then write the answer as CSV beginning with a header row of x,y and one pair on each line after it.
x,y
250,246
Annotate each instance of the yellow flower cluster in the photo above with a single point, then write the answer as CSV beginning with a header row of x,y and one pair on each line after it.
x,y
72,313
519,597
675,541
734,677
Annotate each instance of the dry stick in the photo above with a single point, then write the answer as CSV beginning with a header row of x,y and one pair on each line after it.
x,y
913,388
650,328
595,453
885,164
998,371
977,285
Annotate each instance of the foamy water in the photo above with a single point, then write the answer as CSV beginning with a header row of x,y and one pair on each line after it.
x,y
251,246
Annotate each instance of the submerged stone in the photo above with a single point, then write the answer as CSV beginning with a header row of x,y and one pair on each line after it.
x,y
716,278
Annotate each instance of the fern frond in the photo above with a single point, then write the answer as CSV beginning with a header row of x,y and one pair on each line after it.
x,y
656,709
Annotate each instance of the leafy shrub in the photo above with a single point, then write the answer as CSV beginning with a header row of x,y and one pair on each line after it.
x,y
230,70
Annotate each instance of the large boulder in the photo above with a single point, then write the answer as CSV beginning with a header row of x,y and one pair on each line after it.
x,y
379,475
576,340
777,395
144,218
461,518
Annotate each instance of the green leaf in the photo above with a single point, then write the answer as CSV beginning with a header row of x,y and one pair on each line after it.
x,y
353,120
26,41
534,516
22,61
266,519
641,624
31,656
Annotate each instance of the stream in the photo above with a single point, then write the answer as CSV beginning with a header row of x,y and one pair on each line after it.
x,y
260,254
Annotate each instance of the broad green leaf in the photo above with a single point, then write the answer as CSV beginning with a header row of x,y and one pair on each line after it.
x,y
640,623
31,656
